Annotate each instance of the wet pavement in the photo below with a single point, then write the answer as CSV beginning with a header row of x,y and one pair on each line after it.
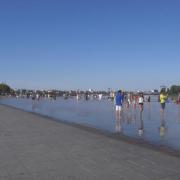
x,y
150,126
35,147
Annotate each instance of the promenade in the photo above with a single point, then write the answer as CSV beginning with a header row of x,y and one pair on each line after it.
x,y
33,147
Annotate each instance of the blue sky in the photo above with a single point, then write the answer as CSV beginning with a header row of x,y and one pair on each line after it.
x,y
82,44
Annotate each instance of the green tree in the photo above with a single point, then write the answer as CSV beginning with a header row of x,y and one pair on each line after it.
x,y
4,88
174,90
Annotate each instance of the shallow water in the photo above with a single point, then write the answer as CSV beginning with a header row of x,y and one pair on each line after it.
x,y
151,125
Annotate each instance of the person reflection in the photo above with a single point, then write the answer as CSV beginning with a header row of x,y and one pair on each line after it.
x,y
141,126
141,108
179,113
149,110
33,102
134,109
128,115
118,127
162,128
178,109
134,115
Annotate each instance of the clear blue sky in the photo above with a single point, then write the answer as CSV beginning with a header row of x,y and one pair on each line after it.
x,y
82,44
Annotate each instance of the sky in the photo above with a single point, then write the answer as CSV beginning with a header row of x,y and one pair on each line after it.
x,y
97,44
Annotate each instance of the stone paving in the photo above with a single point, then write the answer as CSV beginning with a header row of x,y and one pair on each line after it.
x,y
37,148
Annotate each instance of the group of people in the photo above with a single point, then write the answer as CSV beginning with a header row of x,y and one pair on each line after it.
x,y
119,99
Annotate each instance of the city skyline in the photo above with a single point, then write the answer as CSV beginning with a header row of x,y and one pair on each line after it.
x,y
90,44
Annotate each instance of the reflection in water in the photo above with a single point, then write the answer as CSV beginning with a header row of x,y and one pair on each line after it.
x,y
33,104
149,110
118,127
148,124
178,116
128,115
162,128
141,127
134,113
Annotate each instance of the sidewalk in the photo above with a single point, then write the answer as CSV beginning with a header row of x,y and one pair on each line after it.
x,y
36,148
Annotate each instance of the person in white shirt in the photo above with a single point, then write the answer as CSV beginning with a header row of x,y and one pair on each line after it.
x,y
141,101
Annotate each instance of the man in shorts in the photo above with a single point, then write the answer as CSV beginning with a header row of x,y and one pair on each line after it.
x,y
118,103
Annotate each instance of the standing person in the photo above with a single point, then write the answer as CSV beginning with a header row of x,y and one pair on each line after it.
x,y
37,97
128,101
86,96
77,96
162,99
134,102
118,103
112,95
33,101
141,101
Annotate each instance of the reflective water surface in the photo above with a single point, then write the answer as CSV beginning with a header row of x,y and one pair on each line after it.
x,y
151,125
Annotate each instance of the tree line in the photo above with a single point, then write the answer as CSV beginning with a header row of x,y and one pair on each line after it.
x,y
174,90
6,89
